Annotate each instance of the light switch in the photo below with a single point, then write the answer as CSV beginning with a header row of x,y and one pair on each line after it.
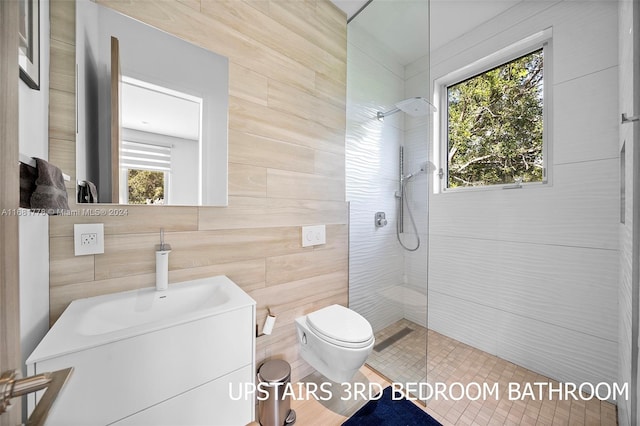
x,y
88,238
313,235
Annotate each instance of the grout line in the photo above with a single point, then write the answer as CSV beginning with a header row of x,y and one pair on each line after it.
x,y
524,242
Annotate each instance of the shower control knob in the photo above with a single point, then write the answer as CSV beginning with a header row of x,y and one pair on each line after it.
x,y
380,220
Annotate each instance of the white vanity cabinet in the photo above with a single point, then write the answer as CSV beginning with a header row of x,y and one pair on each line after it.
x,y
180,374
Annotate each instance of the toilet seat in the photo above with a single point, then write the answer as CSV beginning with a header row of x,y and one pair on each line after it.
x,y
341,326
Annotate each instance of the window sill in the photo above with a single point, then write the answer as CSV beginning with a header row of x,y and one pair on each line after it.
x,y
508,186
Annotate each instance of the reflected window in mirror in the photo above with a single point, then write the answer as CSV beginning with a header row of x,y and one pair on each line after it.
x,y
146,187
161,135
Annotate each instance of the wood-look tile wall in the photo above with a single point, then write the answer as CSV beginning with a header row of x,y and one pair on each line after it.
x,y
287,78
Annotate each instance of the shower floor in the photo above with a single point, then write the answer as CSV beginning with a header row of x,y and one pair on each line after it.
x,y
401,357
402,360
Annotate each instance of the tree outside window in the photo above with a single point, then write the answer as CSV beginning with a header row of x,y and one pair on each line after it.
x,y
146,186
495,125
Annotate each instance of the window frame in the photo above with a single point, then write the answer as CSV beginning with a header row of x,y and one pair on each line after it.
x,y
540,40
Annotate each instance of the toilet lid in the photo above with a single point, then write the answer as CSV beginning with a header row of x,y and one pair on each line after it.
x,y
341,326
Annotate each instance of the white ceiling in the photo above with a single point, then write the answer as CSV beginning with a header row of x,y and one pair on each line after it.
x,y
402,26
149,110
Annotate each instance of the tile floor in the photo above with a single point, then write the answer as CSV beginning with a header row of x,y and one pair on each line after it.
x,y
450,361
405,360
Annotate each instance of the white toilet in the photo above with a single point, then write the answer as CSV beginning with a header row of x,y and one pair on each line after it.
x,y
335,340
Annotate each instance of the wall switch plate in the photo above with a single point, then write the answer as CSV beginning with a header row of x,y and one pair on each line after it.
x,y
313,235
88,238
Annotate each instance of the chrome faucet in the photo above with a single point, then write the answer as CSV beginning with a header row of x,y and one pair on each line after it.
x,y
162,263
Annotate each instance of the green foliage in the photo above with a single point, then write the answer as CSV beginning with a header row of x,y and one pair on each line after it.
x,y
495,125
146,187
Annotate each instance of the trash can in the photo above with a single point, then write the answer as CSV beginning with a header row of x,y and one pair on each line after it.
x,y
274,409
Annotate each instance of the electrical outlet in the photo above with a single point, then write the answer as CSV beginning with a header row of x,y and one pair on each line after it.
x,y
88,238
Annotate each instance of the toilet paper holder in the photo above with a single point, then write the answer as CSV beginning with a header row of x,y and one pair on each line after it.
x,y
269,323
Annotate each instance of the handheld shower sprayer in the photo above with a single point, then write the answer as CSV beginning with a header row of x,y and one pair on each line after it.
x,y
412,175
426,167
401,195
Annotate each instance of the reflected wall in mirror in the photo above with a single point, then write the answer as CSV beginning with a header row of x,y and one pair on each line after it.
x,y
173,113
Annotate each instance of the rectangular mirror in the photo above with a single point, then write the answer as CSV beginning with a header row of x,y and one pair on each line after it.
x,y
152,114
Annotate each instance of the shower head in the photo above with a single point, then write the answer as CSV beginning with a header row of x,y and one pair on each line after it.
x,y
417,106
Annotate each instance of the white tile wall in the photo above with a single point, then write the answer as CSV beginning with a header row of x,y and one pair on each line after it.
x,y
575,100
531,275
536,281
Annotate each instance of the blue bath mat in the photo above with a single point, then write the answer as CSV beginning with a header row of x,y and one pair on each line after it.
x,y
389,412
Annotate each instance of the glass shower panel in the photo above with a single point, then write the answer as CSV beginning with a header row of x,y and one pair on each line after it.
x,y
388,62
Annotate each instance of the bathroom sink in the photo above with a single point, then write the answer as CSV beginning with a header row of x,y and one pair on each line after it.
x,y
134,308
99,320
147,357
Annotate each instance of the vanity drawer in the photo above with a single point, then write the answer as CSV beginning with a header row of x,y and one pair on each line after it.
x,y
208,404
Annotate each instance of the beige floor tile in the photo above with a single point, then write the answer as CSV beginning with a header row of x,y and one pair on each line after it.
x,y
429,357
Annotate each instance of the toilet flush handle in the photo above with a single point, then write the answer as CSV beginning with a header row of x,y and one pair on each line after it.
x,y
304,338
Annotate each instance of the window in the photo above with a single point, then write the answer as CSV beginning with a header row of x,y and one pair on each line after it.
x,y
493,129
145,168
